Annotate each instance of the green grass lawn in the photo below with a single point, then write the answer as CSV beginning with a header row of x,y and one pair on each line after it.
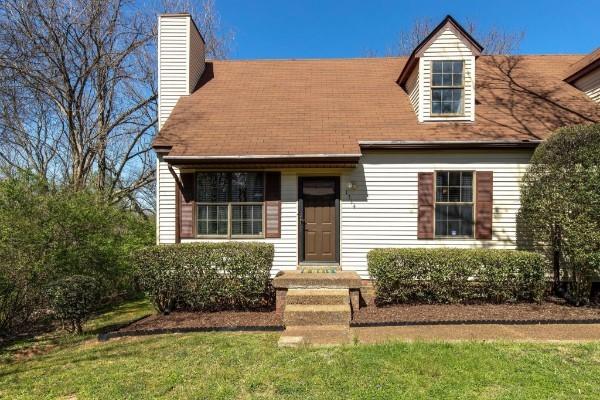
x,y
244,366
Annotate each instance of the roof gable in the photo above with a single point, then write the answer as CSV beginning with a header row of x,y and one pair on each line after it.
x,y
448,23
584,66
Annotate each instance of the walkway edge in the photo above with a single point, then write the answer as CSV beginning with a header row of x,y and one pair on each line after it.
x,y
477,322
161,331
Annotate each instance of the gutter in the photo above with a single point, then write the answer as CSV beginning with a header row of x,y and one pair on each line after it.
x,y
454,144
325,158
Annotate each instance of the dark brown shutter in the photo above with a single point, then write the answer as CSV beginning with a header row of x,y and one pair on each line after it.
x,y
186,206
426,206
273,204
484,201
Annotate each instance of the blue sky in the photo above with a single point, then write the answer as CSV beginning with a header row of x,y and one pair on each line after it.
x,y
329,28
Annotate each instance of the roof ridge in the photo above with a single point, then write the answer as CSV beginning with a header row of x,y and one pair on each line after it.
x,y
309,59
380,58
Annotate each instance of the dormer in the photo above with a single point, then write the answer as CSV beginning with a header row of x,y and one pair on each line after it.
x,y
585,75
439,75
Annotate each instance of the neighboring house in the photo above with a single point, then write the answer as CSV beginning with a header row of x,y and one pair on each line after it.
x,y
330,158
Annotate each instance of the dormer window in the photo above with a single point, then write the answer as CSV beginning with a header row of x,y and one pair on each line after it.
x,y
447,88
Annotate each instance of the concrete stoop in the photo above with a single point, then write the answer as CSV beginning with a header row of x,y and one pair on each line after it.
x,y
316,307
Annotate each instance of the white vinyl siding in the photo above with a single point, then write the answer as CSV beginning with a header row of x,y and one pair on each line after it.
x,y
412,88
180,61
165,203
382,210
590,85
447,47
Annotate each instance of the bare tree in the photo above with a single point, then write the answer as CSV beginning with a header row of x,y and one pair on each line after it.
x,y
494,40
78,90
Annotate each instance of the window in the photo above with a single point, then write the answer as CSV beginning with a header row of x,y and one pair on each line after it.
x,y
447,87
454,204
230,204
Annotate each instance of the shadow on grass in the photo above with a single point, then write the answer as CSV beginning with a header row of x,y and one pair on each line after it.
x,y
43,338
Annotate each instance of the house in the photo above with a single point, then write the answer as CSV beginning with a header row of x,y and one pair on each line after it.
x,y
330,158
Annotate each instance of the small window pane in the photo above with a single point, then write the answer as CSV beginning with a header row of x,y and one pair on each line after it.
x,y
457,80
436,80
457,67
454,194
447,107
466,194
447,67
212,187
457,95
447,80
467,178
247,187
437,66
442,178
455,178
436,107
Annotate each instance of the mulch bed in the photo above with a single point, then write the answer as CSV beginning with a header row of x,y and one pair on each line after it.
x,y
224,320
405,314
548,311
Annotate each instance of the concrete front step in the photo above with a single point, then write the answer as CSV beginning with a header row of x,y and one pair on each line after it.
x,y
317,296
321,314
316,335
305,280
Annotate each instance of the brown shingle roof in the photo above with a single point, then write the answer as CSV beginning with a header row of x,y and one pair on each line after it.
x,y
310,107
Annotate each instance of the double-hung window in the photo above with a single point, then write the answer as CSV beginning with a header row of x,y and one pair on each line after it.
x,y
447,88
230,204
454,204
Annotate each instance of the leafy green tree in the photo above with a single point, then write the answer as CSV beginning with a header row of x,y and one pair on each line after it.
x,y
560,211
49,233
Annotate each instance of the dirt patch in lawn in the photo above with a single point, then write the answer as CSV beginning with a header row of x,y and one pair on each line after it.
x,y
206,320
550,311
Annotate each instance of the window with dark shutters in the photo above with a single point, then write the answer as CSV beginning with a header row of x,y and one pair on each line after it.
x,y
446,204
229,204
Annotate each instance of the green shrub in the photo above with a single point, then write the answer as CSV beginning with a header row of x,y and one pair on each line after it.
x,y
446,275
205,276
560,208
73,300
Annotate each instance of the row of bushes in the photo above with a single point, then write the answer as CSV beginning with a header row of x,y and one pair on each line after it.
x,y
446,275
216,276
205,276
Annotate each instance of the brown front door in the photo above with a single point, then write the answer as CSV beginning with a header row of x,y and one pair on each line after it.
x,y
320,197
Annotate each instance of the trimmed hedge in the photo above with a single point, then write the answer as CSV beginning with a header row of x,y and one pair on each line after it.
x,y
446,275
205,276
